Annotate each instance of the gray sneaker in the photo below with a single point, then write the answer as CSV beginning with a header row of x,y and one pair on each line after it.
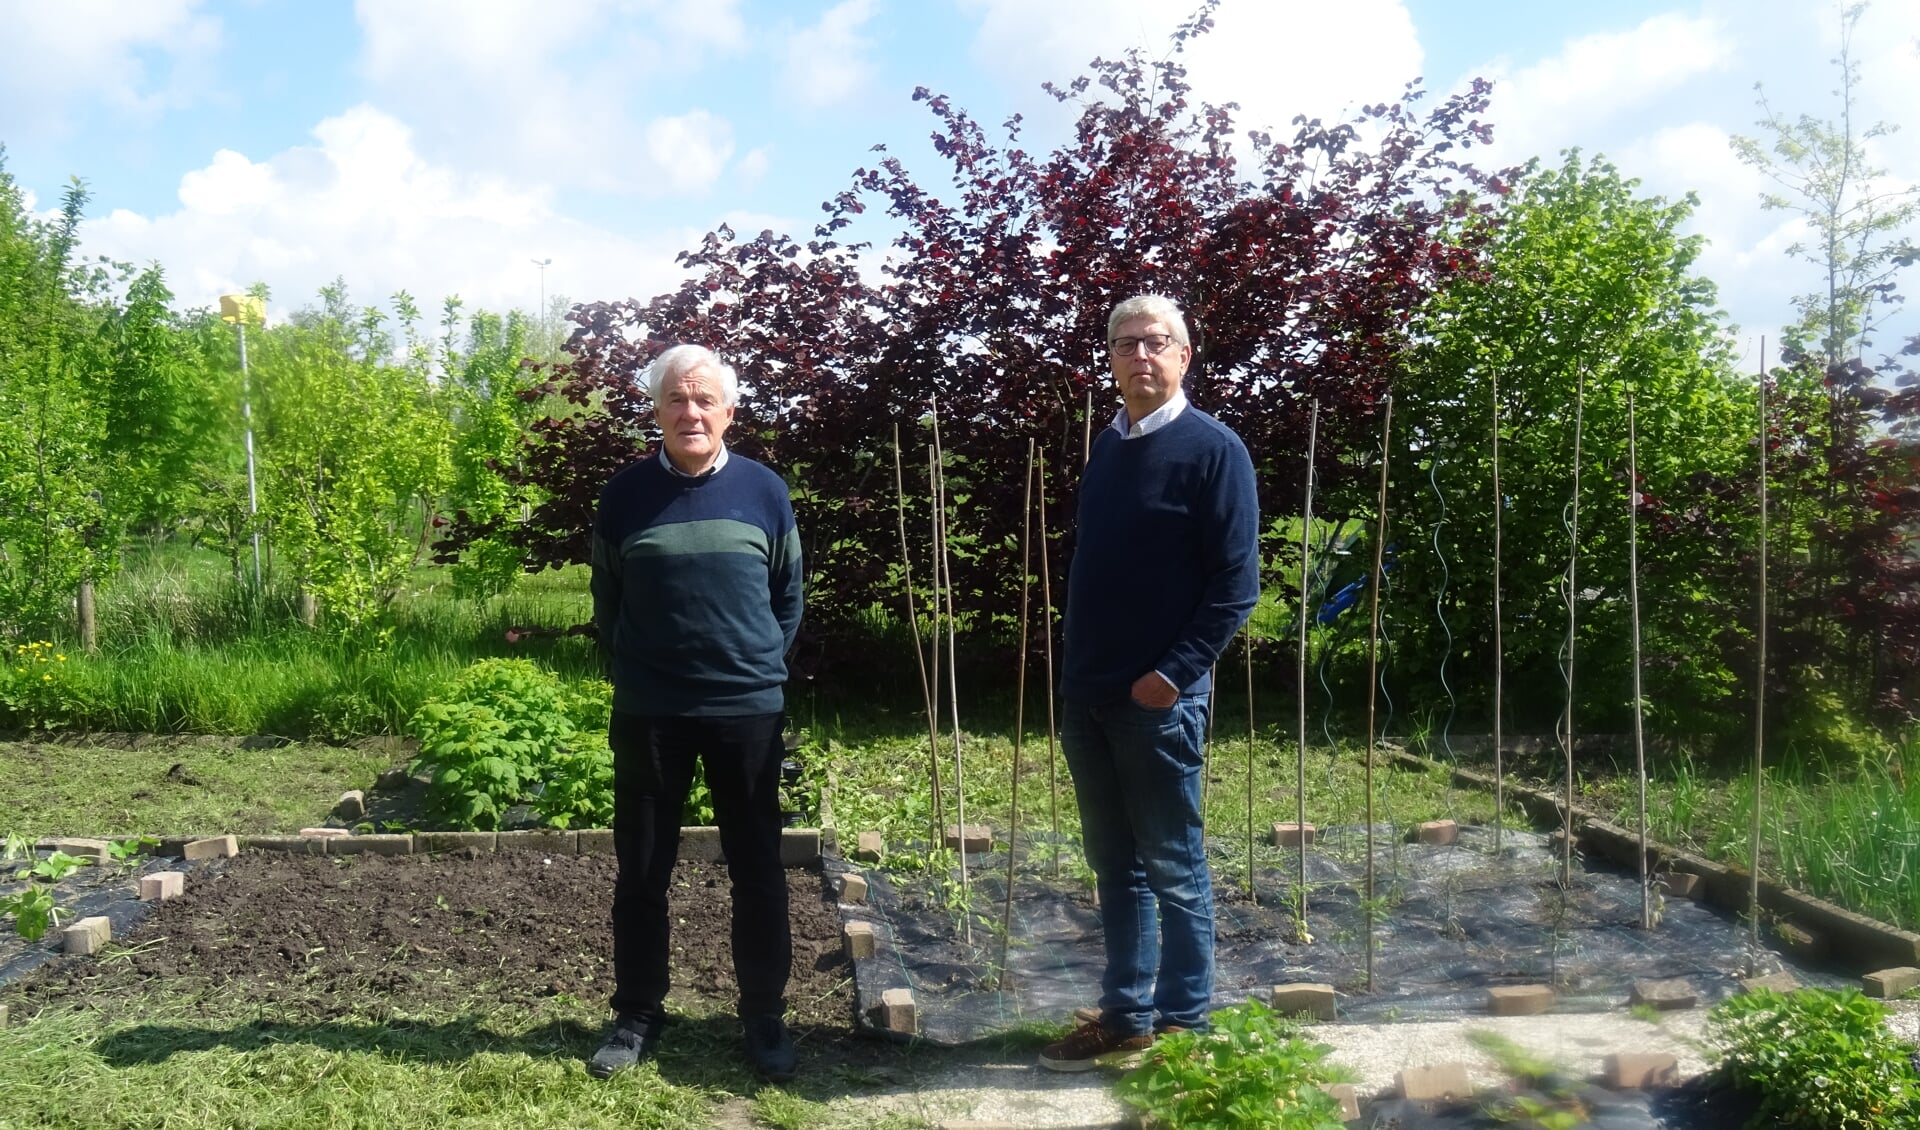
x,y
635,1036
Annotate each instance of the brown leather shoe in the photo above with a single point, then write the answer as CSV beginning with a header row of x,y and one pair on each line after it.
x,y
1090,1046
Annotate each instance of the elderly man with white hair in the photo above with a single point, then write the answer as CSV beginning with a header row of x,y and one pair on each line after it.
x,y
696,595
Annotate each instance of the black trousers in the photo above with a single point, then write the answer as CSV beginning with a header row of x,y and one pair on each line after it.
x,y
653,761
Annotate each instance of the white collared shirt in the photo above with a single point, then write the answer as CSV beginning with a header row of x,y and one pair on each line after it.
x,y
1153,421
718,462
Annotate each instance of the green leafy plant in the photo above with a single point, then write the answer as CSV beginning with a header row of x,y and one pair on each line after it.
x,y
33,911
53,868
125,851
1816,1058
16,846
38,687
487,742
1252,1069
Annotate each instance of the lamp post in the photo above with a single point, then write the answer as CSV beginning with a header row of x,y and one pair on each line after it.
x,y
239,309
541,313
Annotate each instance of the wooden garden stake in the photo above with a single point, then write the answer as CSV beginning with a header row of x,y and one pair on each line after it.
x,y
1639,710
1499,648
1046,600
1573,622
1300,762
1019,714
1373,665
953,684
1760,682
1246,646
913,622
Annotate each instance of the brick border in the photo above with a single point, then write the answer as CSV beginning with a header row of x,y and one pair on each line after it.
x,y
1863,944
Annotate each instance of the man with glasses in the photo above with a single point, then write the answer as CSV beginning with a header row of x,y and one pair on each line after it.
x,y
1165,571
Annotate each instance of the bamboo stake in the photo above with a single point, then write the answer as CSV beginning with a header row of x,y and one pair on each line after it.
x,y
935,628
1019,716
1246,642
1373,665
953,683
1639,709
1046,599
1499,647
1300,763
1760,682
913,621
1086,431
1206,745
1573,623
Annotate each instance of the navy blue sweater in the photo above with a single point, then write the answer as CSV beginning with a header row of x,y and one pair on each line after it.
x,y
1165,561
696,588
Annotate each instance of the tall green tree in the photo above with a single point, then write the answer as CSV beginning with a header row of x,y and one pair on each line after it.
x,y
1589,291
354,451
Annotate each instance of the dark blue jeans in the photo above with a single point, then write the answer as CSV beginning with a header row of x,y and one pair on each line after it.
x,y
1136,773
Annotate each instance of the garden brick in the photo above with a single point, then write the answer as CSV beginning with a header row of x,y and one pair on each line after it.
x,y
1291,835
869,847
161,885
1638,1071
1800,941
1435,1081
1347,1097
326,831
427,842
214,847
1519,1000
895,1012
1890,983
860,941
87,935
79,847
977,837
1439,833
352,805
3,1016
853,889
551,841
1303,997
701,844
799,847
371,845
595,841
1666,996
1782,982
392,780
292,845
1681,885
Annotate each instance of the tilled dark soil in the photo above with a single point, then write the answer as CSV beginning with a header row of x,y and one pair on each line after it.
x,y
365,935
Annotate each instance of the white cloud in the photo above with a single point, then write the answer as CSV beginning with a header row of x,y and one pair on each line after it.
x,y
563,94
362,203
56,59
1596,81
1276,58
826,63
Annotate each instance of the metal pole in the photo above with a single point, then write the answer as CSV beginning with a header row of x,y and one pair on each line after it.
x,y
253,495
1373,666
1300,762
1639,709
1760,681
1246,641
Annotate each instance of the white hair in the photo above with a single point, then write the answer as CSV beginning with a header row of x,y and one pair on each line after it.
x,y
682,358
1156,306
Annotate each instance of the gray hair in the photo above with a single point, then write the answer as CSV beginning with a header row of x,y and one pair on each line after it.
x,y
1156,306
681,358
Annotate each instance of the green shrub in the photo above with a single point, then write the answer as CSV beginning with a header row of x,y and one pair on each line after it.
x,y
495,734
1816,1058
1252,1070
38,687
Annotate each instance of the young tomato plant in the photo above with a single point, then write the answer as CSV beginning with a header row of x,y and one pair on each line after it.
x,y
1252,1070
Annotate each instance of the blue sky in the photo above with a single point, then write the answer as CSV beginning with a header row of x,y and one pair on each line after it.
x,y
442,145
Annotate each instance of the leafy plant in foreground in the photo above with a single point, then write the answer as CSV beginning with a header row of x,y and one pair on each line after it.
x,y
1816,1058
486,744
1251,1070
33,911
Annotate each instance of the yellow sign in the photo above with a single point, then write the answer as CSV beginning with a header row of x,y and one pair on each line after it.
x,y
243,308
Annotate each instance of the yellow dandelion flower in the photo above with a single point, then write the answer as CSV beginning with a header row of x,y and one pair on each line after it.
x,y
46,678
61,658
